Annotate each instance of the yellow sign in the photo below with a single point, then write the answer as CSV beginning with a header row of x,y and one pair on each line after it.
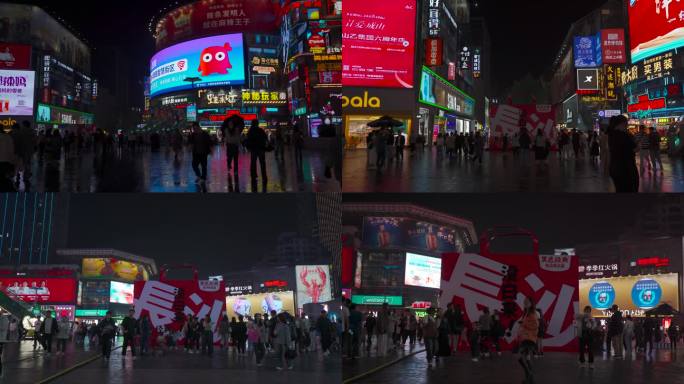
x,y
250,305
8,122
252,96
109,268
361,102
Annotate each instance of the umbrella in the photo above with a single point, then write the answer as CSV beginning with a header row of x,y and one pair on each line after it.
x,y
386,121
237,120
664,310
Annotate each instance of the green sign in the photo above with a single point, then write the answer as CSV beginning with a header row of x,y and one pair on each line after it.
x,y
377,300
91,312
300,111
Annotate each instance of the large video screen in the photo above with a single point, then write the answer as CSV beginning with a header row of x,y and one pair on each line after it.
x,y
250,305
40,290
313,284
634,295
16,92
111,268
211,61
655,27
423,271
121,293
378,41
401,232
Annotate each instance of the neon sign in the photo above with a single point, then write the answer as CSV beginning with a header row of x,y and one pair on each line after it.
x,y
646,104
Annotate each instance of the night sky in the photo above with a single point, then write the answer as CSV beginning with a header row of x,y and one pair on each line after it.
x,y
218,233
525,35
559,220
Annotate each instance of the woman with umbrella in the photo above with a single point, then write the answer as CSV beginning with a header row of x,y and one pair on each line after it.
x,y
381,138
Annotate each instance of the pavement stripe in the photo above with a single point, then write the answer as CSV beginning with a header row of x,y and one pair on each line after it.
x,y
73,368
380,367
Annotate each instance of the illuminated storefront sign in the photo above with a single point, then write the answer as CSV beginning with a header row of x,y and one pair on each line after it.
x,y
438,92
433,17
646,104
612,76
655,27
221,97
466,57
264,65
394,301
587,50
261,97
262,303
452,71
16,92
588,79
236,290
173,100
433,52
477,63
332,57
598,270
613,46
91,312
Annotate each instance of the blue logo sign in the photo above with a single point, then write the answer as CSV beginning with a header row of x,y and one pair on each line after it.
x,y
601,295
587,51
646,293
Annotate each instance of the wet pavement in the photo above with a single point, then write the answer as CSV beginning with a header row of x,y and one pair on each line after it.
x,y
148,171
428,172
26,366
556,368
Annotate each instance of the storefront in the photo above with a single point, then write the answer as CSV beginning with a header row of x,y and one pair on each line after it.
x,y
364,105
445,109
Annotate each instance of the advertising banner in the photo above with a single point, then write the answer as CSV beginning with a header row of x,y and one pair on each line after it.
x,y
313,284
215,61
111,268
378,41
50,114
40,290
121,293
508,119
613,45
423,271
588,79
16,92
587,51
437,92
393,301
634,295
503,282
401,232
95,294
168,303
15,56
655,27
250,305
433,52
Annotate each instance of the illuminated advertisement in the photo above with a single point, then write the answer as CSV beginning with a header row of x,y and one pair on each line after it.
x,y
401,232
613,46
15,56
437,92
634,295
16,92
393,301
121,293
250,305
50,114
95,294
313,284
587,51
378,40
110,268
208,62
655,27
40,290
423,271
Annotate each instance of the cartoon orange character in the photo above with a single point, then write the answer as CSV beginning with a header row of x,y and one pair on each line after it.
x,y
215,60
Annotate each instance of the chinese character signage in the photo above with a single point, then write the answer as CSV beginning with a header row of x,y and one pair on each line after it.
x,y
652,68
477,63
378,40
588,271
433,17
611,79
16,92
613,45
588,79
587,50
466,57
219,98
451,75
655,26
263,97
433,52
40,290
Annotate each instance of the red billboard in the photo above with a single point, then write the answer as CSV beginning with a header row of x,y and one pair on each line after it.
x,y
655,27
168,303
433,52
217,17
378,41
613,43
40,290
508,119
15,56
505,281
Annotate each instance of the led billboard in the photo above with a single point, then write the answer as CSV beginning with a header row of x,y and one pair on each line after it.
x,y
250,305
40,290
313,284
16,92
202,63
423,271
378,41
121,293
110,268
655,27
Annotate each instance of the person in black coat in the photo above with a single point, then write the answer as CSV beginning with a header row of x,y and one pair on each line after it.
x,y
623,169
257,144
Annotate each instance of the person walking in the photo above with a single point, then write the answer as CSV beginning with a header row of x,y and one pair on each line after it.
x,y
654,147
145,331
108,331
224,331
25,147
673,334
615,330
478,147
129,326
430,336
643,141
527,337
649,334
37,337
355,326
231,130
400,146
49,329
62,335
383,329
604,148
369,324
380,145
623,168
201,149
484,326
259,337
207,336
176,144
281,339
628,334
240,335
540,147
585,329
257,144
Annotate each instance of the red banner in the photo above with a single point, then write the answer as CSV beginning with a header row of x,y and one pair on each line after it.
x,y
508,119
14,56
347,266
613,43
168,303
41,290
433,52
503,282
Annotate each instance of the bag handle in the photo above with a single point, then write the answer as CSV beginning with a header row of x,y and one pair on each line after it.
x,y
166,268
497,232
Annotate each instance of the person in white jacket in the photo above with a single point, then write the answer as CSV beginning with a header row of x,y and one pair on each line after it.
x,y
628,334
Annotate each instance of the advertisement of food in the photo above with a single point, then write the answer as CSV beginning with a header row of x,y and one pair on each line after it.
x,y
111,268
634,295
16,92
655,27
208,62
250,305
121,293
378,41
40,290
313,284
423,271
